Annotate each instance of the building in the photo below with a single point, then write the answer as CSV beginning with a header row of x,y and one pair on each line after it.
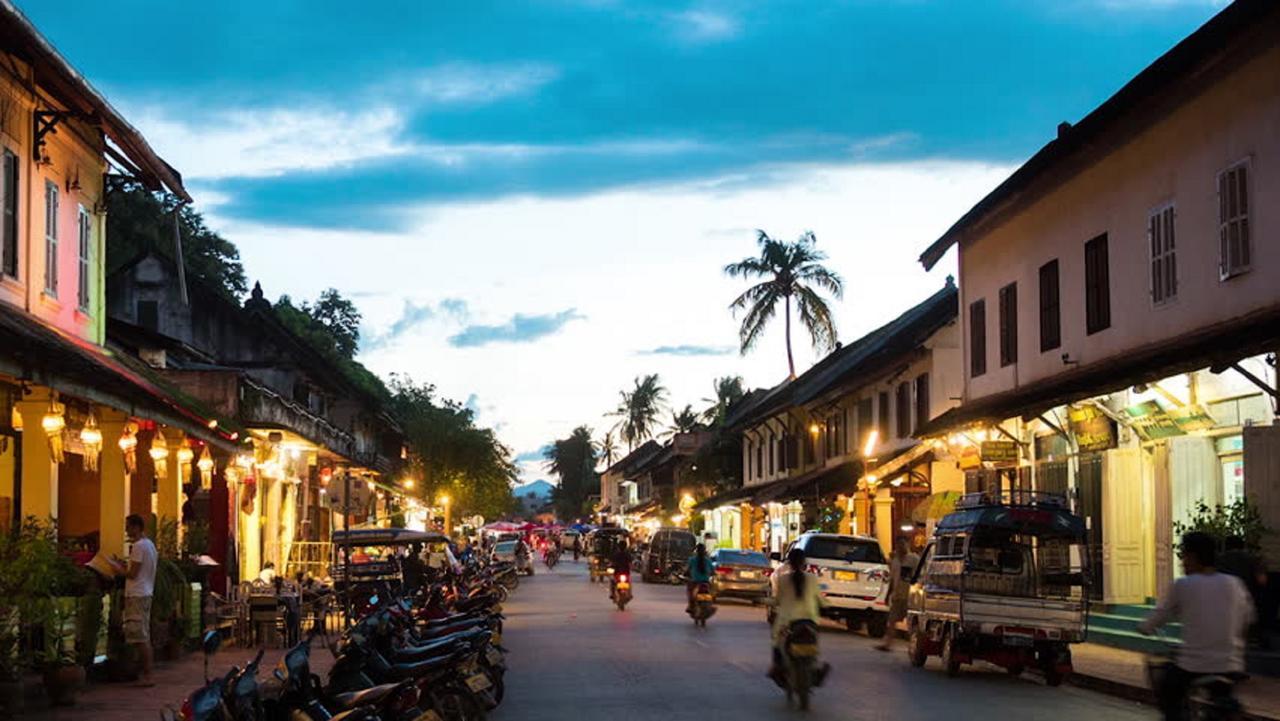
x,y
77,422
1120,307
838,441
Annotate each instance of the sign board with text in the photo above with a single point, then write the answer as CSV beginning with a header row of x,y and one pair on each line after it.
x,y
1093,430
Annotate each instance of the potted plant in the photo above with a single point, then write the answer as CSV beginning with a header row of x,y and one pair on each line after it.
x,y
29,565
62,676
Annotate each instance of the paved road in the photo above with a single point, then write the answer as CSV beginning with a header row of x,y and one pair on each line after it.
x,y
575,658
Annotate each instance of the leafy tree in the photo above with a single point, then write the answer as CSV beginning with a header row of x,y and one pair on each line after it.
x,y
639,409
573,459
684,421
340,317
138,219
786,271
315,333
451,454
608,449
728,391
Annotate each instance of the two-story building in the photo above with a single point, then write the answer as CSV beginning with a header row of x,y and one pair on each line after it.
x,y
72,413
841,436
1120,306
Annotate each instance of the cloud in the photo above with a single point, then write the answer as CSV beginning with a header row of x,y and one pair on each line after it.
x,y
520,329
412,316
705,25
533,456
471,84
473,404
689,350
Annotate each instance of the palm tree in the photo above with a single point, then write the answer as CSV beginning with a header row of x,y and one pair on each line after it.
x,y
573,459
728,390
685,421
639,409
788,270
608,449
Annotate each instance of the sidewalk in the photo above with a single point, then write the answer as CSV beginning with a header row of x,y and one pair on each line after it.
x,y
1124,673
102,701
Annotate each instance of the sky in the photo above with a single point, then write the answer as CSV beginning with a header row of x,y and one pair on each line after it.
x,y
532,202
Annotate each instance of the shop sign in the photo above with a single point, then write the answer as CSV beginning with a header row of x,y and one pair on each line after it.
x,y
1093,430
970,458
999,451
1192,418
1150,420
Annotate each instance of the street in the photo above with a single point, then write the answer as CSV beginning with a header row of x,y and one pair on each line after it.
x,y
574,656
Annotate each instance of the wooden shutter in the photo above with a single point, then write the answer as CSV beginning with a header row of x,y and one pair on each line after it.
x,y
1235,252
978,338
922,401
883,420
1097,285
904,410
9,226
1009,324
1164,265
1050,313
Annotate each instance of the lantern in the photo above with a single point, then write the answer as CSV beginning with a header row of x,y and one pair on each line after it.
x,y
54,423
91,438
205,466
159,454
129,446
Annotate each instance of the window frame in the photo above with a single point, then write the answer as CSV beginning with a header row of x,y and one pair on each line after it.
x,y
52,205
1225,271
883,425
1097,284
1050,306
1162,253
10,240
902,409
922,401
84,253
978,338
1008,324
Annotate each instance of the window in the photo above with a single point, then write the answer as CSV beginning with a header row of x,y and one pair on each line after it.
x,y
149,315
882,423
750,452
865,422
1164,261
978,338
85,228
922,400
9,226
1234,252
760,460
1097,286
51,238
772,447
1009,325
903,409
1050,312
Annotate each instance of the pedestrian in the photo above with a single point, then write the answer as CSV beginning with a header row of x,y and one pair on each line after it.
x,y
1215,612
577,546
902,564
413,569
139,587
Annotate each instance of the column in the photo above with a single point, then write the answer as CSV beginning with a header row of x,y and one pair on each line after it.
x,y
39,472
250,524
861,513
169,489
845,504
884,519
113,483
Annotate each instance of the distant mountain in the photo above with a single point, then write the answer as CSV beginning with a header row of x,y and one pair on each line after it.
x,y
540,489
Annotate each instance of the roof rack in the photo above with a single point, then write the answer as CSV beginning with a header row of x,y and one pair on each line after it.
x,y
1014,497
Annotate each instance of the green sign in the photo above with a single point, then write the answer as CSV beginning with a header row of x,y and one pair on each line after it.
x,y
1150,420
1192,418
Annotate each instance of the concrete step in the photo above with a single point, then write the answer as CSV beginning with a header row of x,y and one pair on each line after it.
x,y
1117,622
1126,639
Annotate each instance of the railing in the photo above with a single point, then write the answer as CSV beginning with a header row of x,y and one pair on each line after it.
x,y
309,557
1012,497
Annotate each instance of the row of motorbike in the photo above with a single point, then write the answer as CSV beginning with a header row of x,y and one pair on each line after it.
x,y
434,655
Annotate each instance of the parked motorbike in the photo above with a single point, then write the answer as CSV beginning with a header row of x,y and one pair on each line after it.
x,y
704,605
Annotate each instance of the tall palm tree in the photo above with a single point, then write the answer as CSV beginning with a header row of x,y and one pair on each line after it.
x,y
786,271
728,390
573,459
685,421
639,409
608,449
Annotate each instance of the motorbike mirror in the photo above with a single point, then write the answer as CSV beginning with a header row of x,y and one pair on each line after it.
x,y
210,642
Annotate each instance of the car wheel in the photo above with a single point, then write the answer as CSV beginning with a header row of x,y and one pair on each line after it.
x,y
915,647
877,624
949,661
851,623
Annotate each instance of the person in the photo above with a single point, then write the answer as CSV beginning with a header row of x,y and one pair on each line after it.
x,y
1215,612
796,595
268,572
699,569
413,569
901,565
577,546
139,587
620,562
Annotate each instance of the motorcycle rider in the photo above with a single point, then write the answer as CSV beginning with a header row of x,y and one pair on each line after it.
x,y
796,595
621,563
699,570
1215,612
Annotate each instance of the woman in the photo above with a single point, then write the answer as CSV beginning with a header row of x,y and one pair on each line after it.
x,y
699,571
796,598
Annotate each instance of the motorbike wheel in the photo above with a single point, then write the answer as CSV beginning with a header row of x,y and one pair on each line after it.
x,y
799,682
459,706
949,661
915,648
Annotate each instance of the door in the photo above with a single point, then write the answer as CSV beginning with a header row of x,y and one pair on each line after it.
x,y
1163,524
1262,480
1124,523
1089,495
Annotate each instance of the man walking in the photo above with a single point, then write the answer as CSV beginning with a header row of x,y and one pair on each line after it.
x,y
902,564
139,587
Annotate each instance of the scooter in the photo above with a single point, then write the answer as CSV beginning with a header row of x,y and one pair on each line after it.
x,y
620,589
800,669
704,605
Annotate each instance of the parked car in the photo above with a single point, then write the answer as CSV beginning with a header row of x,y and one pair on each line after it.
x,y
853,578
505,552
567,538
741,574
667,546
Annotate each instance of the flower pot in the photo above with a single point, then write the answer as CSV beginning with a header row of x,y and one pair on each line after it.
x,y
61,684
11,698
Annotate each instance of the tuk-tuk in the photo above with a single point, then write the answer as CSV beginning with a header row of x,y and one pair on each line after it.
x,y
371,555
1003,581
601,544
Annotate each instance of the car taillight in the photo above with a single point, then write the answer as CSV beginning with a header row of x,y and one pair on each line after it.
x,y
188,714
724,570
768,572
815,570
878,576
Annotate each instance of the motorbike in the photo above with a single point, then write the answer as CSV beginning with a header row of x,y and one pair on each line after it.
x,y
1210,698
551,557
800,670
620,589
704,605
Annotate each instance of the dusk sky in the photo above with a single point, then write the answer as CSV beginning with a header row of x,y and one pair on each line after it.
x,y
531,202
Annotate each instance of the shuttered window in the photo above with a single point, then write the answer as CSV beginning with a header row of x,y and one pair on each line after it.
x,y
922,401
978,338
1097,285
904,409
9,225
882,423
1234,251
1050,311
866,422
84,233
51,239
1009,324
1164,259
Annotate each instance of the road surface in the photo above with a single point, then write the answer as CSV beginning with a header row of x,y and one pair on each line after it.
x,y
575,658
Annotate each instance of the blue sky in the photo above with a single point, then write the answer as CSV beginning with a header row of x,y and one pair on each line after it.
x,y
531,201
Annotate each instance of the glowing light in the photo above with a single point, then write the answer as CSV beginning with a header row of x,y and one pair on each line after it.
x,y
872,438
213,423
245,461
814,428
128,442
443,499
205,464
159,448
408,483
185,455
906,528
896,482
53,421
90,435
369,485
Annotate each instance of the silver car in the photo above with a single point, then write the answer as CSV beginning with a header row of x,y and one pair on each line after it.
x,y
741,574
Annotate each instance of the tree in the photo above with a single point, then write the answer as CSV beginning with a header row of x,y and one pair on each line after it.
x,y
340,318
573,459
728,391
786,271
138,219
608,449
639,409
685,421
451,455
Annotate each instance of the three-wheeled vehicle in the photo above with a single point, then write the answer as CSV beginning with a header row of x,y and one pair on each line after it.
x,y
601,545
371,556
1004,581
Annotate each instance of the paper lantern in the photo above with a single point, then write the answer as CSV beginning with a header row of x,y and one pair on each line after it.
x,y
159,454
54,423
91,439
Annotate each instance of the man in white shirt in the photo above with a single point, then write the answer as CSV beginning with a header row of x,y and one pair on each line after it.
x,y
139,587
1215,612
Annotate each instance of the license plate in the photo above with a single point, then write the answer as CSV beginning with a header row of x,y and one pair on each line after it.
x,y
497,638
428,716
804,650
478,683
1018,641
845,575
623,586
494,656
747,574
705,597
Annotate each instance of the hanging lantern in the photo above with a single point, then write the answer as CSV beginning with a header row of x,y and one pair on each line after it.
x,y
205,465
91,438
54,423
129,447
185,456
15,418
159,454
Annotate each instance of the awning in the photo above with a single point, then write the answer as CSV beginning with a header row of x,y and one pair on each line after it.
x,y
385,537
643,507
727,498
818,483
901,460
935,507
